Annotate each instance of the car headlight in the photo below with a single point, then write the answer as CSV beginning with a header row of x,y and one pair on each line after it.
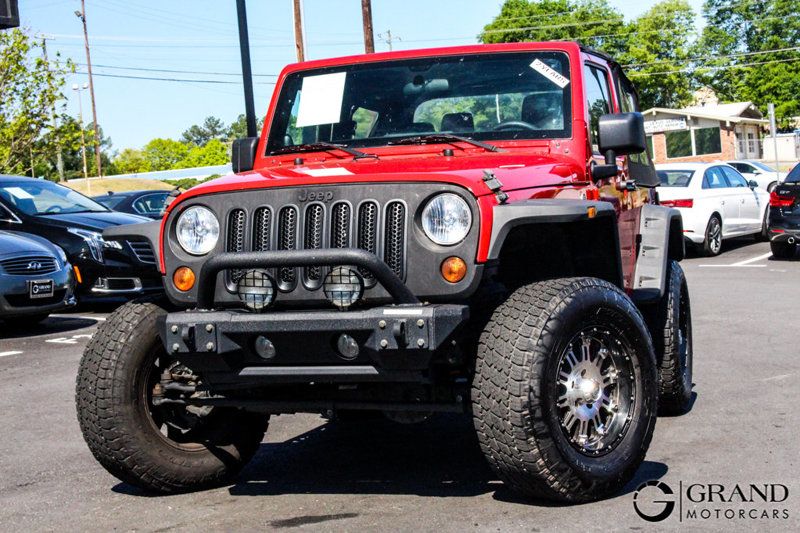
x,y
93,239
446,219
198,230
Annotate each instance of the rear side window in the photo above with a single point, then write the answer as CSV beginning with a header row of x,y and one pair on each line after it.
x,y
675,178
794,175
598,99
714,179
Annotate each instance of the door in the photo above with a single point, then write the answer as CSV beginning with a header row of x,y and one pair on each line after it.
x,y
721,197
749,202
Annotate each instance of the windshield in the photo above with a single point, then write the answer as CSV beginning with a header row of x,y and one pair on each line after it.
x,y
675,178
110,201
481,96
794,175
42,197
762,166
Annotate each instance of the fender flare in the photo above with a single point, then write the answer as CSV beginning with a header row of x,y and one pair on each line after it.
x,y
660,240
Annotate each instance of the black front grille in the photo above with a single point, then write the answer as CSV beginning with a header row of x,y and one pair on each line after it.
x,y
31,265
236,228
143,252
380,229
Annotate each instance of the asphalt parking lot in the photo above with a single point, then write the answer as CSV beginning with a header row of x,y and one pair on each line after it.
x,y
741,430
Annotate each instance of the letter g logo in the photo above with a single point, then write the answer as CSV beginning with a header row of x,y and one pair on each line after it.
x,y
647,501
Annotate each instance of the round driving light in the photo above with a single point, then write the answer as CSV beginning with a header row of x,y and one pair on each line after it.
x,y
454,269
183,278
343,286
264,347
446,219
197,230
347,346
256,289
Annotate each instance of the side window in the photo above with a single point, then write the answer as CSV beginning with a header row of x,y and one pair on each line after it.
x,y
714,179
151,204
6,215
741,167
734,178
598,99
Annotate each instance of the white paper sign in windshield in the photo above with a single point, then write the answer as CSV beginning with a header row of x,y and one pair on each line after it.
x,y
549,73
321,99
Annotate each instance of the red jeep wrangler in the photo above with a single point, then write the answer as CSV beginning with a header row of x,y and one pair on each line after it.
x,y
470,229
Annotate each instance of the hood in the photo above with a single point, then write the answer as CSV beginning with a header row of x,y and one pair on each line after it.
x,y
516,169
13,244
93,221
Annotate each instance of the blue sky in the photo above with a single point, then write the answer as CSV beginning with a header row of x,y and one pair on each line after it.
x,y
201,36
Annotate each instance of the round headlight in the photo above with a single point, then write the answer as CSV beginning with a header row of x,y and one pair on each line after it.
x,y
198,230
446,219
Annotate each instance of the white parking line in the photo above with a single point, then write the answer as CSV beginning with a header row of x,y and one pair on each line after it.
x,y
12,352
69,340
747,263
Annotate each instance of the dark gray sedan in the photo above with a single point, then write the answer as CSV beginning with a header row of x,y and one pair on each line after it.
x,y
35,279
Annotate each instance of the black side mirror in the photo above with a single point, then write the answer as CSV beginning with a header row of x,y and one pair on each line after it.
x,y
243,154
753,184
619,134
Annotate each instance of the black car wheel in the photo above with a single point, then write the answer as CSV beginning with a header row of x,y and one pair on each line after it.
x,y
158,446
565,390
712,245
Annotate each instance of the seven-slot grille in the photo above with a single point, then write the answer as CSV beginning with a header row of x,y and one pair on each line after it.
x,y
380,229
143,252
30,265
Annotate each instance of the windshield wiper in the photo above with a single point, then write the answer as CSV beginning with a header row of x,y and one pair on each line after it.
x,y
446,138
324,146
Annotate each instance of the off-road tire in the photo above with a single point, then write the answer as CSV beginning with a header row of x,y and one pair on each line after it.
x,y
782,250
707,247
118,428
671,324
514,387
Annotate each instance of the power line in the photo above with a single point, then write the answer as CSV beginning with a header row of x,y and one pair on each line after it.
x,y
695,69
175,71
128,77
687,60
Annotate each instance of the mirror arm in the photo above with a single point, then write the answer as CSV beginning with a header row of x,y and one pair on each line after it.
x,y
611,157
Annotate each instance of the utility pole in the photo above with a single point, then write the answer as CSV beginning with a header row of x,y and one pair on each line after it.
x,y
82,15
366,17
59,157
298,30
387,38
774,131
247,74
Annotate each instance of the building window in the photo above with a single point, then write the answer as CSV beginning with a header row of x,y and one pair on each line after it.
x,y
707,141
679,143
650,149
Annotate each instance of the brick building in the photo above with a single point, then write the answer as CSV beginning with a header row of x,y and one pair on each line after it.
x,y
707,132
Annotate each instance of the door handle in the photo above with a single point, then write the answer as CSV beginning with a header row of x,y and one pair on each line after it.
x,y
742,200
723,202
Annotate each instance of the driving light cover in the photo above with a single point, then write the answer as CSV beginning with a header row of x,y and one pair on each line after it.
x,y
343,286
446,219
197,230
256,289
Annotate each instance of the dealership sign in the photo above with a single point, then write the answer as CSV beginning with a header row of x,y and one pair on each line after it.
x,y
665,124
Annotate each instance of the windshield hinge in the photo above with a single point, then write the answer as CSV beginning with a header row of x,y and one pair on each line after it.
x,y
495,185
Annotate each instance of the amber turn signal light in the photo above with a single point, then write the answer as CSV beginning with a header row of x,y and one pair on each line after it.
x,y
454,269
183,278
77,274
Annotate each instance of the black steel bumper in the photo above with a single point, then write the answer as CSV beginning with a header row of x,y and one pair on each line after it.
x,y
395,342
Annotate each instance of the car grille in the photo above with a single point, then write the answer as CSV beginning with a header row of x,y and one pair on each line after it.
x,y
32,265
143,252
379,228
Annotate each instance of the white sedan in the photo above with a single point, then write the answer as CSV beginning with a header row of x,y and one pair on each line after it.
x,y
715,201
766,177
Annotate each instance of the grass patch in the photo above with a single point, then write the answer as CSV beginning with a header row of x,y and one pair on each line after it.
x,y
97,187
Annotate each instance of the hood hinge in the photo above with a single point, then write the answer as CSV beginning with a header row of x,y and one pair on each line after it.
x,y
495,185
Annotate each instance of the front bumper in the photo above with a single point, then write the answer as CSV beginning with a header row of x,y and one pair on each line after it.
x,y
391,342
15,300
115,278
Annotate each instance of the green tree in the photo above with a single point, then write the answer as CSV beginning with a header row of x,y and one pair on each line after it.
x,y
29,88
164,154
739,40
238,129
211,128
214,152
131,161
657,49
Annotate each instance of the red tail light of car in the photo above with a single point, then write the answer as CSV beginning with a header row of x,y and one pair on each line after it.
x,y
678,203
776,200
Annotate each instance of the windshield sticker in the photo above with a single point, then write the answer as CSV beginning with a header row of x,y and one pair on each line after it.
x,y
549,73
325,172
321,99
20,193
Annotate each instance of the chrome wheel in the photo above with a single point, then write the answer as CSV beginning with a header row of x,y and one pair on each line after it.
x,y
714,235
596,391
